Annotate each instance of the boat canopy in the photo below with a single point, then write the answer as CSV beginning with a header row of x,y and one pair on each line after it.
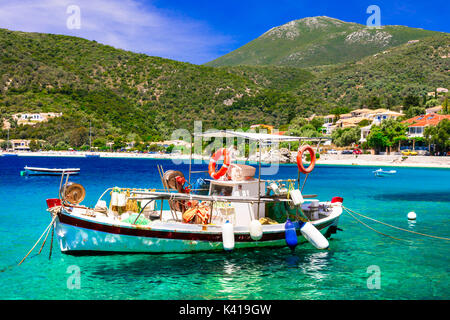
x,y
261,137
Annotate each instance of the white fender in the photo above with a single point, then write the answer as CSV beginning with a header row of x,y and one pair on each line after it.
x,y
114,197
228,236
314,236
256,231
122,199
296,197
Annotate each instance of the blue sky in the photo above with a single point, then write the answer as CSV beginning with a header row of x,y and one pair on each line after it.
x,y
198,31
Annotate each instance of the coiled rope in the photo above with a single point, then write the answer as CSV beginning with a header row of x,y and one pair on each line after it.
x,y
349,211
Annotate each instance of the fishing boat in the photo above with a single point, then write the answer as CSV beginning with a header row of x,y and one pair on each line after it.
x,y
48,172
384,173
230,210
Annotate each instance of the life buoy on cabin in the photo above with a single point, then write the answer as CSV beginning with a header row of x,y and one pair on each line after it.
x,y
300,162
213,161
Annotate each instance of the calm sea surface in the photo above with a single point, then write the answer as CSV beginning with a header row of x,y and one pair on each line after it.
x,y
414,269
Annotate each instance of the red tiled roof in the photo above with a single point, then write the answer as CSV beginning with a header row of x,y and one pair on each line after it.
x,y
431,119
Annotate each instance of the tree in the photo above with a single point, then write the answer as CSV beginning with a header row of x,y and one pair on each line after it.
x,y
317,123
337,111
34,145
374,103
79,137
439,135
376,139
411,101
346,137
394,130
414,112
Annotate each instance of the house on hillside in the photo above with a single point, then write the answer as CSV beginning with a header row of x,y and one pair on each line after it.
x,y
20,145
439,91
377,117
360,112
34,118
382,114
417,125
267,127
328,123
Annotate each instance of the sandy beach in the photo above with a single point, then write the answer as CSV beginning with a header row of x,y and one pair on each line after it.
x,y
385,160
325,159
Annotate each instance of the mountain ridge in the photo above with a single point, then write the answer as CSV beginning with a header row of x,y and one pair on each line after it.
x,y
321,40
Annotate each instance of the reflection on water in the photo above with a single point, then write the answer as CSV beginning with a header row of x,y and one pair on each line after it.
x,y
316,264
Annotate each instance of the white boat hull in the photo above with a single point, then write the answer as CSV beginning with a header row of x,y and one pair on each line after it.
x,y
83,235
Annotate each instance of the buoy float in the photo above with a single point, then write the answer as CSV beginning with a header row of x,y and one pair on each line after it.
x,y
412,215
115,197
296,196
256,230
228,236
313,235
214,159
290,234
121,199
300,165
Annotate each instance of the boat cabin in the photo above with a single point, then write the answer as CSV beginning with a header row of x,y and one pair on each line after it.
x,y
238,213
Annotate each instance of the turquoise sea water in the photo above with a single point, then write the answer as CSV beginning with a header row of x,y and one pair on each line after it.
x,y
414,269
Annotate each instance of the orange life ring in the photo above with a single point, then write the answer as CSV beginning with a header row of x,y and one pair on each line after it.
x,y
212,163
300,163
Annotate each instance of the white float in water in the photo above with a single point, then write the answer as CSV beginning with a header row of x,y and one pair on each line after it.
x,y
228,236
412,215
256,230
314,236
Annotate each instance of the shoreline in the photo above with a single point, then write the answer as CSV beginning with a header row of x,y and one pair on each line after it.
x,y
441,162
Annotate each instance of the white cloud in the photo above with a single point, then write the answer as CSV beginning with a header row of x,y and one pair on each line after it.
x,y
125,24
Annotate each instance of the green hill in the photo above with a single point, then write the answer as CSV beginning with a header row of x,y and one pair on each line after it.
x,y
318,41
124,93
129,96
409,69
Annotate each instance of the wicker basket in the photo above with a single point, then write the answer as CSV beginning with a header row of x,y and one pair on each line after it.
x,y
241,172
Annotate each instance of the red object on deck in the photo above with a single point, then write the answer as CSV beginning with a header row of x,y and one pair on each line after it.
x,y
337,199
53,203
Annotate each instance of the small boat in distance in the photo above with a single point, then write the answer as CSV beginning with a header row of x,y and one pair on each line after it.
x,y
48,172
382,173
92,155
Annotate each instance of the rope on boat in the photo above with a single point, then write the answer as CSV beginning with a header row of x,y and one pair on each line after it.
x,y
45,240
51,243
53,211
45,231
410,231
364,224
